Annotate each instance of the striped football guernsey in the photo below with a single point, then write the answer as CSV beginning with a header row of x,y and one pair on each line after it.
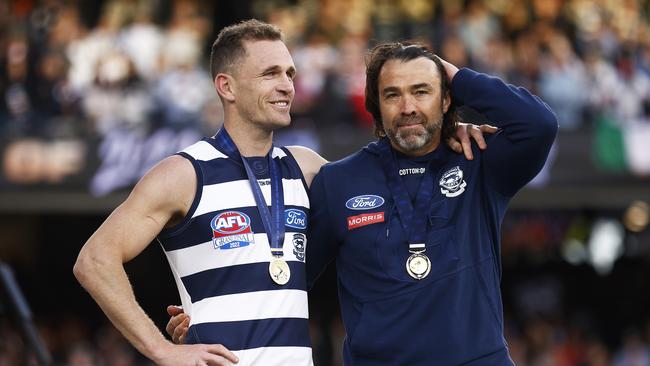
x,y
220,254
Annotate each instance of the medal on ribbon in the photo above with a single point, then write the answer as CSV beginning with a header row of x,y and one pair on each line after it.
x,y
272,219
418,264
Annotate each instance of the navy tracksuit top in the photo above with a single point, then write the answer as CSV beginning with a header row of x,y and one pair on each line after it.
x,y
453,316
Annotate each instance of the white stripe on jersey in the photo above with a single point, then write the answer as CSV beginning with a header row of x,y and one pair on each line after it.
x,y
203,151
275,356
186,300
204,256
238,193
278,153
247,306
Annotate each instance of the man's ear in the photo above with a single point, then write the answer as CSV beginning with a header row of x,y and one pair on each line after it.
x,y
225,86
446,102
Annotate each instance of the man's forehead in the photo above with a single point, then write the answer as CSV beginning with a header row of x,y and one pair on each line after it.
x,y
266,52
415,71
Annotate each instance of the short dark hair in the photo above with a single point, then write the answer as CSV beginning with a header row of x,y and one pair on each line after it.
x,y
404,51
229,48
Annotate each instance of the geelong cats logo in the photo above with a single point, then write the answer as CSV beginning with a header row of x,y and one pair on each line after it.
x,y
452,183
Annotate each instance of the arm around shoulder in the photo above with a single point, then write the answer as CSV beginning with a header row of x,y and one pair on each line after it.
x,y
308,160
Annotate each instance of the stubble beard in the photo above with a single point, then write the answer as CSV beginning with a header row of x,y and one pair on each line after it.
x,y
412,140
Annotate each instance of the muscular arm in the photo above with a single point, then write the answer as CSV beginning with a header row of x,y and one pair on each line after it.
x,y
164,193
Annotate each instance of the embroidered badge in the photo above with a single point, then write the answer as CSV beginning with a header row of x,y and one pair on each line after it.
x,y
365,219
299,246
295,218
364,202
452,183
231,229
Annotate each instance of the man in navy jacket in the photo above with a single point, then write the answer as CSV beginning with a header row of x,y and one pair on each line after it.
x,y
414,227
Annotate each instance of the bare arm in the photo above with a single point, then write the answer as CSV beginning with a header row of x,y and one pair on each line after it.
x,y
163,194
308,160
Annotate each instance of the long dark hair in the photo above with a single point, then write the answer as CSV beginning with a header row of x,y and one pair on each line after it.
x,y
404,51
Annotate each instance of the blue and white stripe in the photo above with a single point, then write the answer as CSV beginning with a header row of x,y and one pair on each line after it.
x,y
229,294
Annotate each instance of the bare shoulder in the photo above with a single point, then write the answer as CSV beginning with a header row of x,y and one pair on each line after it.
x,y
309,161
169,185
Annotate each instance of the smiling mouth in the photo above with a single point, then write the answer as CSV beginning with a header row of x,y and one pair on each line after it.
x,y
282,104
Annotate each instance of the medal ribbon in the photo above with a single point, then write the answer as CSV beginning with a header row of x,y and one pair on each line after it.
x,y
413,217
273,218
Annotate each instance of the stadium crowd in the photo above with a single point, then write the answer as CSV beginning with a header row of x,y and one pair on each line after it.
x,y
73,70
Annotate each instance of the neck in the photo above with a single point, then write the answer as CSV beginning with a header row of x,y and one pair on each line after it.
x,y
250,141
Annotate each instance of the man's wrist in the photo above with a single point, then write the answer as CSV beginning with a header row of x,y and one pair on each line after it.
x,y
157,350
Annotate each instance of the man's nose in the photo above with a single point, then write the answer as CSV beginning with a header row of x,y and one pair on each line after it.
x,y
408,106
286,85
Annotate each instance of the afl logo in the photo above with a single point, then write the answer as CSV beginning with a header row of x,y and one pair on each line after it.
x,y
364,202
230,222
231,229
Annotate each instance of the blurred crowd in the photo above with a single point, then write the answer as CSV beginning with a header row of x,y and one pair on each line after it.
x,y
541,343
139,65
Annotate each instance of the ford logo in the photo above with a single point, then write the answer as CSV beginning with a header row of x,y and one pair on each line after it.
x,y
295,218
364,202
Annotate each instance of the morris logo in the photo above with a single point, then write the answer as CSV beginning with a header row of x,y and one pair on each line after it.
x,y
364,202
295,218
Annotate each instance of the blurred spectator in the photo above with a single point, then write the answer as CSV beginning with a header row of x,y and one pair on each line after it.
x,y
634,352
184,88
562,82
118,98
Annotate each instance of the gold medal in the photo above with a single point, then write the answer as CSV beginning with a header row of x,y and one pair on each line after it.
x,y
418,265
279,271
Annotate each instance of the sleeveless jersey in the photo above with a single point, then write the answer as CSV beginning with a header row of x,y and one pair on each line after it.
x,y
219,256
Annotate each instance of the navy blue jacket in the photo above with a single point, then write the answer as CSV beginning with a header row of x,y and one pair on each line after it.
x,y
453,316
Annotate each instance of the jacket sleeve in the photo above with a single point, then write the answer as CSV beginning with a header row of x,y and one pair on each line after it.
x,y
527,128
322,247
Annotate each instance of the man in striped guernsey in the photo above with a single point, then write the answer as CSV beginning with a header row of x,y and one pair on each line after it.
x,y
230,213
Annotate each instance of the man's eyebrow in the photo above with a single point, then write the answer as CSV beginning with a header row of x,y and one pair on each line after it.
x,y
276,68
422,86
389,89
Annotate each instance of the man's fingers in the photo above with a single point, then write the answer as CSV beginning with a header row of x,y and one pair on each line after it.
x,y
174,322
488,129
220,350
477,135
454,145
180,331
465,142
174,310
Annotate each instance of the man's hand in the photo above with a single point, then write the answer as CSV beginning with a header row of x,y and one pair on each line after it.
x,y
195,354
462,144
178,324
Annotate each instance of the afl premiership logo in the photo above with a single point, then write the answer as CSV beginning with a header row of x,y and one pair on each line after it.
x,y
364,202
231,229
452,183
